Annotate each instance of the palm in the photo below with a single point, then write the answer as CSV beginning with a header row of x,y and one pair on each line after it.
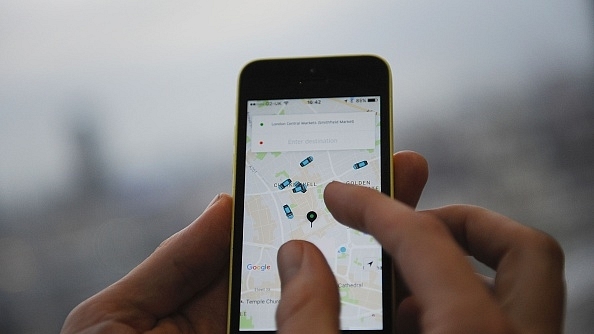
x,y
206,312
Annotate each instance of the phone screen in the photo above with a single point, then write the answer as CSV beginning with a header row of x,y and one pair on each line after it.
x,y
294,148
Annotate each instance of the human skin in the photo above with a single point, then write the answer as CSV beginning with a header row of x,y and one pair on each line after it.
x,y
429,250
172,292
183,286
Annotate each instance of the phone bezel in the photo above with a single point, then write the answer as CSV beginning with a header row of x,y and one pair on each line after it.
x,y
304,78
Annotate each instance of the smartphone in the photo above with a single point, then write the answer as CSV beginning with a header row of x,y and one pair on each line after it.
x,y
302,123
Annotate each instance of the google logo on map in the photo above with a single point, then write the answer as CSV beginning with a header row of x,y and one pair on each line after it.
x,y
254,267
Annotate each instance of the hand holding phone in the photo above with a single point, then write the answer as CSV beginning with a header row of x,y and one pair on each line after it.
x,y
173,284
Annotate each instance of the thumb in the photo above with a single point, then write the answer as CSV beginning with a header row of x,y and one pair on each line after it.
x,y
309,292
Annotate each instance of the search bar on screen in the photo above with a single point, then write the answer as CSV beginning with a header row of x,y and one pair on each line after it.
x,y
313,132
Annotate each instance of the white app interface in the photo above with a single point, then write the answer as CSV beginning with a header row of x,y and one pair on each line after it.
x,y
294,148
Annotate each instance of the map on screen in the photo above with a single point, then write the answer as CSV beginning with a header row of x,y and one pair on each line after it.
x,y
294,148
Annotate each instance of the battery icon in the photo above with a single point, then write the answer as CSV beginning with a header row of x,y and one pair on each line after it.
x,y
371,100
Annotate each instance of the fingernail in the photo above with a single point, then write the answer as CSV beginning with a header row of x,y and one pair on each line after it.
x,y
289,258
214,200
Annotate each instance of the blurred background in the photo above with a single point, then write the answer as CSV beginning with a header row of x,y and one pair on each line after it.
x,y
116,123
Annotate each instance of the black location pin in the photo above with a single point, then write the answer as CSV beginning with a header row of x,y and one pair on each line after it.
x,y
311,216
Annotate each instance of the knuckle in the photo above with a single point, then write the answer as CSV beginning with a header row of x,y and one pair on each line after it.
x,y
549,247
431,225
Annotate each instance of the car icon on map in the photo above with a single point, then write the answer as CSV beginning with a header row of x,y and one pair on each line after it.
x,y
360,164
284,184
299,187
288,211
306,161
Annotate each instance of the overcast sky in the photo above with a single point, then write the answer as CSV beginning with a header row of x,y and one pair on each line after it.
x,y
158,79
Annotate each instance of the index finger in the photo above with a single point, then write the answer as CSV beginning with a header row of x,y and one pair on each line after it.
x,y
427,256
529,264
